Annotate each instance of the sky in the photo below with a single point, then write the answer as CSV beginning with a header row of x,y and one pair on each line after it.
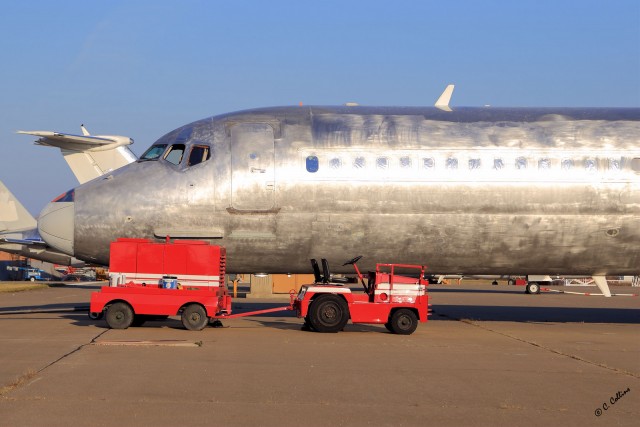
x,y
143,68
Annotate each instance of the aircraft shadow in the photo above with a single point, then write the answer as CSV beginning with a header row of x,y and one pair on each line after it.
x,y
44,308
536,314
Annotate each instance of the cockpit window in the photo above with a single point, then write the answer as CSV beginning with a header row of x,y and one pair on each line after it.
x,y
174,154
199,154
154,152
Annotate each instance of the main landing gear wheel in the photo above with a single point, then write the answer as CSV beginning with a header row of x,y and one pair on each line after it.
x,y
403,322
194,317
533,288
119,315
328,313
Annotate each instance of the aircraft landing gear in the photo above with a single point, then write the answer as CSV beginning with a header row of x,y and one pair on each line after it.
x,y
533,288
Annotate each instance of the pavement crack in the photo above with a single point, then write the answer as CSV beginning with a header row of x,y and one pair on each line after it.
x,y
32,373
64,356
552,350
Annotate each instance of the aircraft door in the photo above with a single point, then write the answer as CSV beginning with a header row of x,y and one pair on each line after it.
x,y
252,166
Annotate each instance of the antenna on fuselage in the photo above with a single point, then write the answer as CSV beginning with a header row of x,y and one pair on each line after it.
x,y
443,102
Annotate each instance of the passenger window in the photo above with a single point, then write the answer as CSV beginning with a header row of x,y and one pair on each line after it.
x,y
474,164
199,154
312,164
335,163
591,165
521,163
498,164
452,163
405,162
175,153
428,163
614,164
382,163
544,164
359,162
567,164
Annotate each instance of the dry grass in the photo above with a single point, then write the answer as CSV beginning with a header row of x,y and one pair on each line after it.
x,y
28,375
21,286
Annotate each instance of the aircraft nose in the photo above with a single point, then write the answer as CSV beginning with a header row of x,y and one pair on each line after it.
x,y
56,225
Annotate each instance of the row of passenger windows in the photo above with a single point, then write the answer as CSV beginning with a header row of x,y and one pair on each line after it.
x,y
498,163
175,153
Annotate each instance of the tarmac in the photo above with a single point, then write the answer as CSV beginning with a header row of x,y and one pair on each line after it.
x,y
489,355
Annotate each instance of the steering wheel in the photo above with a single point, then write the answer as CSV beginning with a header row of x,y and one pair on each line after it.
x,y
352,261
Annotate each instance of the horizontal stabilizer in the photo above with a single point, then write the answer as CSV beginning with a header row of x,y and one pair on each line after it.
x,y
87,155
73,142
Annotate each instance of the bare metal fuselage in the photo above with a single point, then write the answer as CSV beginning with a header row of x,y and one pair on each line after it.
x,y
473,191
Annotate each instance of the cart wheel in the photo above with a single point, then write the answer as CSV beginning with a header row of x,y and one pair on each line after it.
x,y
194,318
119,315
328,313
403,322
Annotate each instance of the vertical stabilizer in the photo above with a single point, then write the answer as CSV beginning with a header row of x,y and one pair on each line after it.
x,y
13,216
443,102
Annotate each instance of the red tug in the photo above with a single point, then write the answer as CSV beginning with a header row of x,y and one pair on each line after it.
x,y
187,278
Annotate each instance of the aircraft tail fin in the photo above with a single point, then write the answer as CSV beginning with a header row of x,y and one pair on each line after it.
x,y
443,102
13,216
87,155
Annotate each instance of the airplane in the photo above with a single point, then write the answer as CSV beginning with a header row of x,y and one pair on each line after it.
x,y
465,190
19,233
88,157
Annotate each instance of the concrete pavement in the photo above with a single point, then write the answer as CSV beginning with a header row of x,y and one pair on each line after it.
x,y
489,356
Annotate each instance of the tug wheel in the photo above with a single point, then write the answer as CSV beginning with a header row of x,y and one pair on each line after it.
x,y
328,313
119,315
194,317
403,322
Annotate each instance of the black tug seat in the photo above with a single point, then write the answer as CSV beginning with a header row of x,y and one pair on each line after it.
x,y
325,276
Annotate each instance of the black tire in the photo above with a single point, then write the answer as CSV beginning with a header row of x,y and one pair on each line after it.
x,y
533,288
194,317
388,326
328,313
403,322
119,315
96,316
139,319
